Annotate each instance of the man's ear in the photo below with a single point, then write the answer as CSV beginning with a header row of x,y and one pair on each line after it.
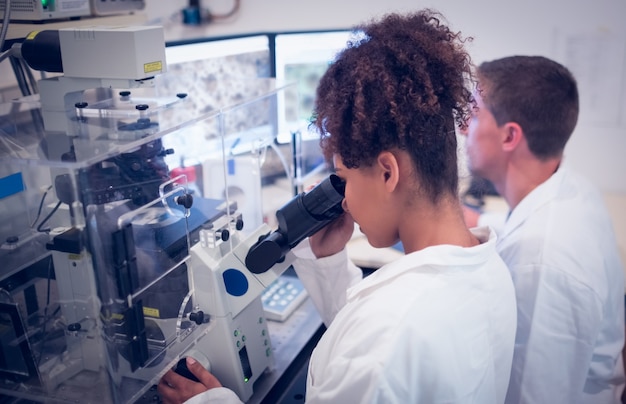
x,y
389,170
512,136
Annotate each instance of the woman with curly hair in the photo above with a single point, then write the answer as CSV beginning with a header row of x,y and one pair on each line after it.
x,y
438,324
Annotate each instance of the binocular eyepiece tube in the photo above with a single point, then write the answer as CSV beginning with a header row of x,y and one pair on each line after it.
x,y
301,217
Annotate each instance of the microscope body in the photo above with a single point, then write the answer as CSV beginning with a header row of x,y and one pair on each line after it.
x,y
237,345
113,269
103,58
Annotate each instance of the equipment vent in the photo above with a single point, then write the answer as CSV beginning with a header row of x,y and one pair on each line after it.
x,y
20,5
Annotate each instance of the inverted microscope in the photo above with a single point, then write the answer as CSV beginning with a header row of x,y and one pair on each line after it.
x,y
113,269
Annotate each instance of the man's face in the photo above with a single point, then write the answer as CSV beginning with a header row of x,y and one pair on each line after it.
x,y
483,144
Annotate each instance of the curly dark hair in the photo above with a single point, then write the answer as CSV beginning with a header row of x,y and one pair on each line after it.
x,y
401,83
539,94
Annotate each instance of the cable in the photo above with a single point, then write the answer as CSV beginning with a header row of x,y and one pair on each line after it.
x,y
5,22
45,311
43,198
6,54
19,75
34,89
23,73
39,228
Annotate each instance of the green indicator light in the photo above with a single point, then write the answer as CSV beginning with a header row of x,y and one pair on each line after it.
x,y
245,379
44,3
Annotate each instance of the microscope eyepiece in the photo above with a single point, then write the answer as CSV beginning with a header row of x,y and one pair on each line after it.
x,y
321,202
301,217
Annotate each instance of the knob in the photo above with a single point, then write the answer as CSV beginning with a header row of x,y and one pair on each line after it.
x,y
197,317
223,234
74,327
185,200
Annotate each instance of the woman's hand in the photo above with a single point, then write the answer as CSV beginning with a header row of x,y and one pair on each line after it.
x,y
334,237
176,389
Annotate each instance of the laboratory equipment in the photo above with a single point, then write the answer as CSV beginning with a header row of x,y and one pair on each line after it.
x,y
301,217
101,8
47,10
283,297
112,270
101,58
42,10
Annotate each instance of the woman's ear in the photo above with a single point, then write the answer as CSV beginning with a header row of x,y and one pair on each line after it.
x,y
389,170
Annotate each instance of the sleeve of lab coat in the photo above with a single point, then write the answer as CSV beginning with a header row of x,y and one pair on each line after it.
x,y
325,279
219,395
558,318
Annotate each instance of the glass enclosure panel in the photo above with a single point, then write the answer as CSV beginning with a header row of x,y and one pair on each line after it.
x,y
124,236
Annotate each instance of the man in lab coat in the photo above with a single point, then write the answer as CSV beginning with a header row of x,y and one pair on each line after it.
x,y
557,239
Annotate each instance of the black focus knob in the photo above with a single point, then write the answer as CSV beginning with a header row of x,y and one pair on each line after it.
x,y
74,327
12,239
185,200
197,317
224,234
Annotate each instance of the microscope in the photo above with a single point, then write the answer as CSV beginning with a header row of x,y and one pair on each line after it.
x,y
113,270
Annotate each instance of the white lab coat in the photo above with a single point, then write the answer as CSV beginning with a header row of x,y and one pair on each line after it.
x,y
561,250
435,326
